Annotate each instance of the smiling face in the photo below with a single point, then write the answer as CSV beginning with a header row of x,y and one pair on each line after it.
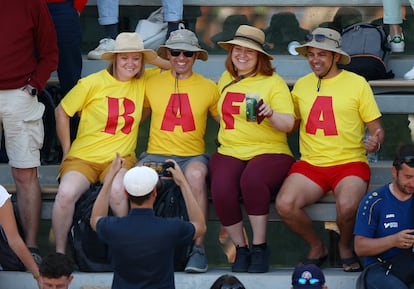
x,y
323,62
127,65
181,64
244,59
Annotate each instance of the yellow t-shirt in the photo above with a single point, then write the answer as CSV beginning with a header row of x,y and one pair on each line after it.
x,y
110,114
179,110
243,139
333,120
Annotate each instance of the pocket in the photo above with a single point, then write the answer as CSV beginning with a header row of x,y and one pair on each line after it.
x,y
35,112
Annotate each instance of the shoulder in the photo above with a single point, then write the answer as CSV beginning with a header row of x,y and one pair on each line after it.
x,y
375,198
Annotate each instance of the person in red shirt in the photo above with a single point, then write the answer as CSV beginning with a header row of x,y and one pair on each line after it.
x,y
28,55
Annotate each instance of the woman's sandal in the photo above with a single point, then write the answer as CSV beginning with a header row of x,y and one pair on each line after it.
x,y
352,264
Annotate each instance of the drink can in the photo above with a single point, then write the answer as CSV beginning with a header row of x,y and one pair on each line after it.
x,y
251,102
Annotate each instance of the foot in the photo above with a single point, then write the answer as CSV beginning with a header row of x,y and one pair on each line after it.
x,y
409,74
197,262
352,264
315,261
317,255
242,261
396,42
105,45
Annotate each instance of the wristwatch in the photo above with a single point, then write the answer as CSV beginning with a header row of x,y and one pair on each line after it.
x,y
32,91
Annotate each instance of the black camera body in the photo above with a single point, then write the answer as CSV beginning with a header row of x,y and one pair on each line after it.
x,y
165,166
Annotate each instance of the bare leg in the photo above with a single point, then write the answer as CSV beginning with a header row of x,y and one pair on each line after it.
x,y
236,234
28,202
73,184
296,193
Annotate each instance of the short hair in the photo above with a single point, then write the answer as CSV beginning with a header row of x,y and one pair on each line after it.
x,y
56,265
227,280
139,200
404,155
263,66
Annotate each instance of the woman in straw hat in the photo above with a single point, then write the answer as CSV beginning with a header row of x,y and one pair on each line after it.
x,y
110,104
253,155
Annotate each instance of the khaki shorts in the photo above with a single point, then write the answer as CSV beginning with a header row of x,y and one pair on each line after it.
x,y
94,172
21,118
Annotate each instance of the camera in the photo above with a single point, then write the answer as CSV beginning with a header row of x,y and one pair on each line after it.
x,y
165,166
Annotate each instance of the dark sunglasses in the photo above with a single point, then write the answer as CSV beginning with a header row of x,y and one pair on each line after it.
x,y
320,38
231,286
304,281
176,53
409,160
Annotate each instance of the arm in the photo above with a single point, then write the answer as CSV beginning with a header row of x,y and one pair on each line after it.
x,y
101,205
63,129
194,211
365,246
161,63
8,222
376,136
281,121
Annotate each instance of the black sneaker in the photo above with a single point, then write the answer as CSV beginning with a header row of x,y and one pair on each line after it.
x,y
36,255
259,260
242,261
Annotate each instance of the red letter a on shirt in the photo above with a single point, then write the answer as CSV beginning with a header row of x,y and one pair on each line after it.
x,y
322,117
178,113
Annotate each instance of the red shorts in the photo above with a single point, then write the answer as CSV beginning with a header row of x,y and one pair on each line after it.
x,y
328,177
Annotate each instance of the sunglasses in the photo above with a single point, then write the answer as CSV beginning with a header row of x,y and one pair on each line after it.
x,y
320,38
231,286
409,160
176,53
304,281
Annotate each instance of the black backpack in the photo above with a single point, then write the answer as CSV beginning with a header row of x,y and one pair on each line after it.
x,y
89,253
170,203
368,47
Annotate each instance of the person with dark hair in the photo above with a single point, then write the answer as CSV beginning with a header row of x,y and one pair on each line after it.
x,y
334,107
308,276
141,243
56,271
227,281
384,224
253,156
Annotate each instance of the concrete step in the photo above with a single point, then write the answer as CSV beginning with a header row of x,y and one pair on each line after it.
x,y
277,278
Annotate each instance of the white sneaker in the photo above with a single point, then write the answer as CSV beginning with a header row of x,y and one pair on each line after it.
x,y
105,45
409,74
396,42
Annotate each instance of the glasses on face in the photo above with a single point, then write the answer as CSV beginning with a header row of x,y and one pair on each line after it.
x,y
176,53
231,286
320,38
312,281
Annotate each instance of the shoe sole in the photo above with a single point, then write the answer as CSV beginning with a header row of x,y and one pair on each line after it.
x,y
195,270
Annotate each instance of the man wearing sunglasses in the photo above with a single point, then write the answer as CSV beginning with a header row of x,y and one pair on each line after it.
x,y
179,101
333,108
384,223
308,277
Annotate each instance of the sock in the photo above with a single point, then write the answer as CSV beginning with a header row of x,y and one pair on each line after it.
x,y
111,30
261,246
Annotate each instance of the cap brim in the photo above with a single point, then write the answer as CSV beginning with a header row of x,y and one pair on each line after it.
x,y
228,44
303,50
149,55
162,50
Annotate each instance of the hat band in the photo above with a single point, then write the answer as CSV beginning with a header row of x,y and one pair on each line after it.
x,y
249,38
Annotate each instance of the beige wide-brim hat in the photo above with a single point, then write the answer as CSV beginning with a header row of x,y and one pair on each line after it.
x,y
127,42
249,37
185,40
332,42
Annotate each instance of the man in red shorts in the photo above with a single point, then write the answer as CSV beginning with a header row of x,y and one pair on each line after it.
x,y
333,108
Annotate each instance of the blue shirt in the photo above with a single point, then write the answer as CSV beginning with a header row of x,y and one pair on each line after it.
x,y
142,247
381,214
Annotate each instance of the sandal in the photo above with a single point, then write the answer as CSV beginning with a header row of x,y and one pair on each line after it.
x,y
352,264
315,261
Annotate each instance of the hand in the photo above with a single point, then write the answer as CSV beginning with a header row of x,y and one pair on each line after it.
x,y
405,239
176,172
117,164
265,110
372,143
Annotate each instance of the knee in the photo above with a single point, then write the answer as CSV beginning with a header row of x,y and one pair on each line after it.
x,y
117,194
284,205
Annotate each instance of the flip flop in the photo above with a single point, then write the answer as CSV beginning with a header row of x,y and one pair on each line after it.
x,y
348,262
315,261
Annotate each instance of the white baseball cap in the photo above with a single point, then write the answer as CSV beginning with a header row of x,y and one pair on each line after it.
x,y
140,181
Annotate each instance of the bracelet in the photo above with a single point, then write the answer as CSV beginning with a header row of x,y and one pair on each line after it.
x,y
36,276
269,116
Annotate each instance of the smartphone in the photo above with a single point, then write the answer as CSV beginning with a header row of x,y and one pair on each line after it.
x,y
259,118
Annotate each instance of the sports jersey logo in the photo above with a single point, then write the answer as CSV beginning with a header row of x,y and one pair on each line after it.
x,y
391,225
113,115
228,109
321,116
178,113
